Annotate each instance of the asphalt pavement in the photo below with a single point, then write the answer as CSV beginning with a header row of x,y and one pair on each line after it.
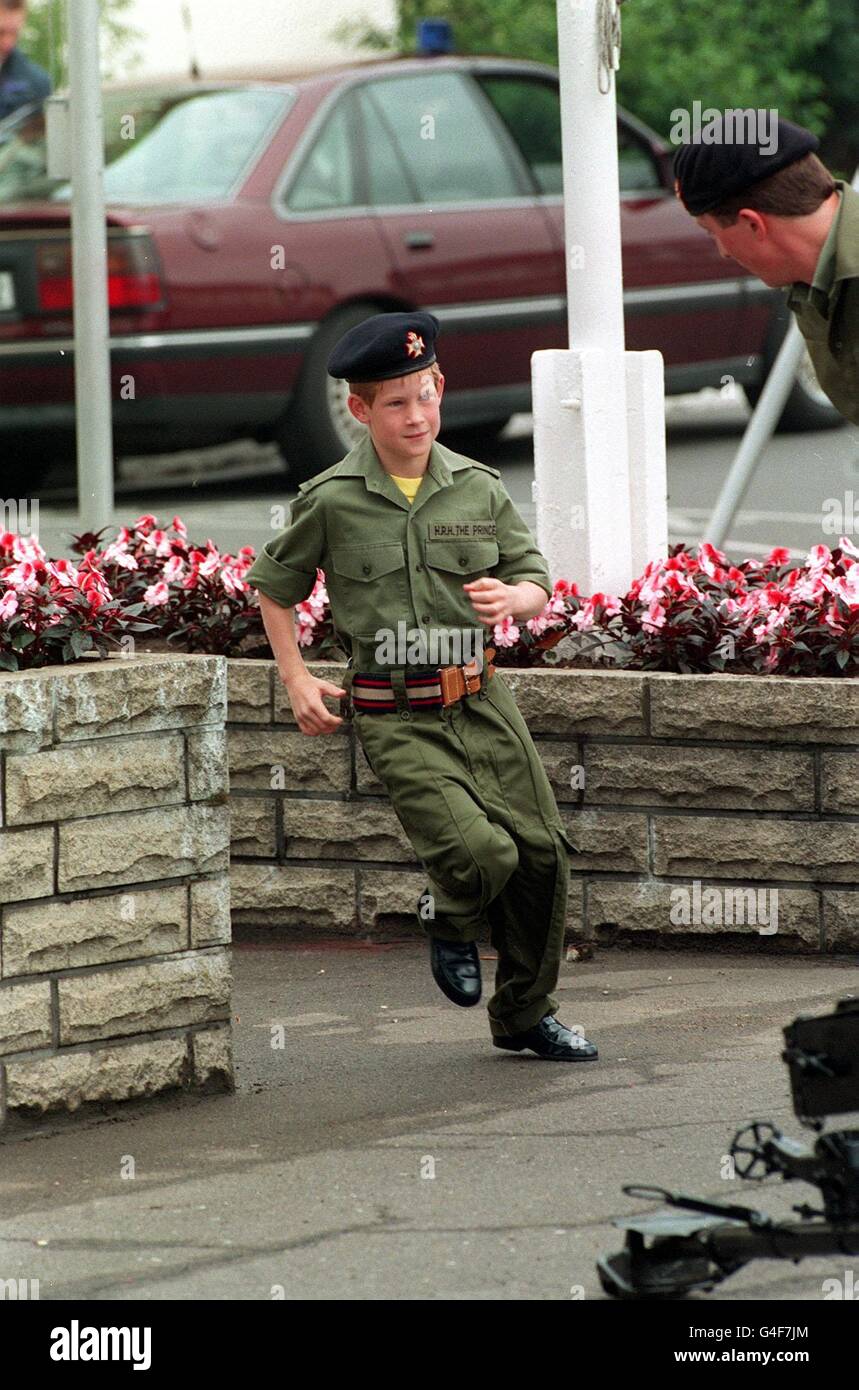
x,y
387,1151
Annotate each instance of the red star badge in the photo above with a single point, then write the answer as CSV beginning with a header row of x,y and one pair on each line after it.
x,y
414,345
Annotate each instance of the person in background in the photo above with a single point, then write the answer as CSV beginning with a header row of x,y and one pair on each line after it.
x,y
786,219
22,82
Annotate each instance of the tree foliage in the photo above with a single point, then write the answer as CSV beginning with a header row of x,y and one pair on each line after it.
x,y
44,38
801,58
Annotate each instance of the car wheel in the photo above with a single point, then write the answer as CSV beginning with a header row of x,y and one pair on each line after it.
x,y
807,407
318,429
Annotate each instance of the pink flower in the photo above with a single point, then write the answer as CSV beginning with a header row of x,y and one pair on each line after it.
x,y
712,561
173,570
779,555
212,563
161,544
608,603
179,527
808,589
232,582
832,618
146,523
818,558
156,594
306,625
845,586
654,619
63,571
505,633
774,622
539,623
117,554
8,604
650,585
28,548
22,577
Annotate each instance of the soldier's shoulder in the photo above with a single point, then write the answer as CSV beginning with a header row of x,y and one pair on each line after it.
x,y
456,462
328,475
352,465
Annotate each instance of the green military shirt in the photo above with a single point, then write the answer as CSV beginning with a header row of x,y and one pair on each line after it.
x,y
827,310
388,561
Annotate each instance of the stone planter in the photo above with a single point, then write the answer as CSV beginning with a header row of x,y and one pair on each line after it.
x,y
114,881
701,808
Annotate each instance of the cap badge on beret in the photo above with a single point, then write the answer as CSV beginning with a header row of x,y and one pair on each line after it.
x,y
385,346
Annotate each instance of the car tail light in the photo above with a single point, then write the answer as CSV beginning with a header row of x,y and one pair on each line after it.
x,y
133,281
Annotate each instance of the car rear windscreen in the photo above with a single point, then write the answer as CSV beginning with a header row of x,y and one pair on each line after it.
x,y
160,147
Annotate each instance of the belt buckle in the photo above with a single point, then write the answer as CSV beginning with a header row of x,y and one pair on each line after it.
x,y
450,680
471,676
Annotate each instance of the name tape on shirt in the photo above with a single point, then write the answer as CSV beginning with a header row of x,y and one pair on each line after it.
x,y
460,530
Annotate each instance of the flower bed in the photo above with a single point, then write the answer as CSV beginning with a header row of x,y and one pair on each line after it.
x,y
692,612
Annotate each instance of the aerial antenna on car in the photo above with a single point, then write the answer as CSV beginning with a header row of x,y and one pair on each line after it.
x,y
189,30
434,36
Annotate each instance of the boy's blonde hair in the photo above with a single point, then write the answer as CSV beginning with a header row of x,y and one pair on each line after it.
x,y
369,390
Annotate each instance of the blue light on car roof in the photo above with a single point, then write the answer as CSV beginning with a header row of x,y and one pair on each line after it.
x,y
434,36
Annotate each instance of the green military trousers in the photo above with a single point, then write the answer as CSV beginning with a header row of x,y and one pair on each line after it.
x,y
468,788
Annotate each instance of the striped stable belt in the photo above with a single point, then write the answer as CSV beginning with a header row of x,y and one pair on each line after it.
x,y
434,688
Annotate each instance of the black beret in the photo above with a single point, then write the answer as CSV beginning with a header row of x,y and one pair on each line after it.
x,y
719,165
385,346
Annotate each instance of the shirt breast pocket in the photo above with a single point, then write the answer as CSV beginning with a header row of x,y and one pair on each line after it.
x,y
452,563
367,589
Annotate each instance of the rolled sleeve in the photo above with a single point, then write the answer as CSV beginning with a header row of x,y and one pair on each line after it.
x,y
285,570
519,556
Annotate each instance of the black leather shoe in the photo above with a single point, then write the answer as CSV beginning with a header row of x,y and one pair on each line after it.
x,y
456,970
549,1038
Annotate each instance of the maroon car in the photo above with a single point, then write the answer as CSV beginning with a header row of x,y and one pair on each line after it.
x,y
252,222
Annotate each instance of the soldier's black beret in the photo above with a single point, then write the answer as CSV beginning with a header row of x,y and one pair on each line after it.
x,y
385,346
719,165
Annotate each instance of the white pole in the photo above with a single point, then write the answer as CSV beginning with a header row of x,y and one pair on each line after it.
x,y
89,270
599,516
759,430
764,419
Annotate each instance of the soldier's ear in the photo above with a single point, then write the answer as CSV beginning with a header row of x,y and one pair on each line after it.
x,y
359,408
439,386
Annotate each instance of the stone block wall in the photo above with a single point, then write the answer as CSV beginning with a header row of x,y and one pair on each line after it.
x,y
114,881
700,807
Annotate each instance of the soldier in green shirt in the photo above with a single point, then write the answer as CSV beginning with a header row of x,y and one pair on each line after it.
x,y
423,550
780,213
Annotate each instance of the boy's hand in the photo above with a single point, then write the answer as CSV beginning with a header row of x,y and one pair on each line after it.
x,y
305,695
493,600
